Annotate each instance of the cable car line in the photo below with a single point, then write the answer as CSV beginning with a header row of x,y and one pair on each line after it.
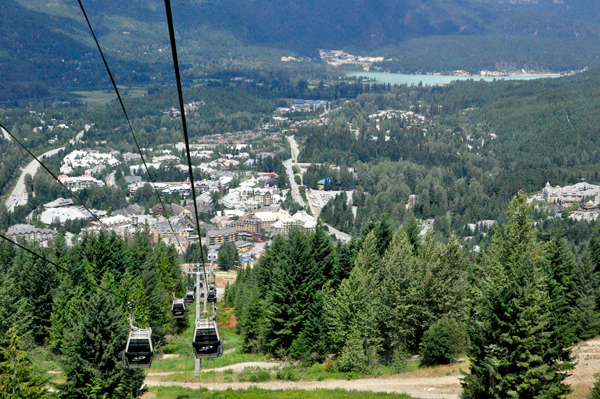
x,y
24,248
207,341
184,123
114,84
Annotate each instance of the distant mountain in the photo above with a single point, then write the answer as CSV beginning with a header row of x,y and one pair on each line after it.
x,y
49,42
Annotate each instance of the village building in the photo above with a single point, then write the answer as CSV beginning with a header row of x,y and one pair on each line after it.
x,y
221,236
574,193
59,203
30,233
79,183
300,219
267,219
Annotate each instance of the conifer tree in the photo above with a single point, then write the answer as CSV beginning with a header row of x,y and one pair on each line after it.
x,y
158,299
251,317
514,351
384,233
92,353
14,309
18,378
412,230
587,317
351,311
444,284
344,264
324,254
290,293
594,249
67,307
36,280
560,270
397,319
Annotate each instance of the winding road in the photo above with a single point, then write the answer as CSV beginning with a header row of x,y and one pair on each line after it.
x,y
19,194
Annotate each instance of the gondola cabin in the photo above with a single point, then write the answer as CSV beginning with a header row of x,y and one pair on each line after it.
x,y
178,309
139,351
212,296
207,341
189,297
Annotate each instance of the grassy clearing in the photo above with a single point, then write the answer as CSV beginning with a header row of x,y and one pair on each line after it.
x,y
99,97
185,393
182,345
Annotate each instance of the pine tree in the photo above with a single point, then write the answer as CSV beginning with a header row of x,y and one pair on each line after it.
x,y
594,249
595,391
514,350
587,317
92,353
290,293
159,299
14,309
18,378
325,259
351,311
444,285
344,264
560,270
397,319
412,230
68,305
36,280
384,233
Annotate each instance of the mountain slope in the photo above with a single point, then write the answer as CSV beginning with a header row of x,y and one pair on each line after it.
x,y
50,41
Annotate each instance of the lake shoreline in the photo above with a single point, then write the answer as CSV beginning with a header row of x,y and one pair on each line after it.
x,y
433,80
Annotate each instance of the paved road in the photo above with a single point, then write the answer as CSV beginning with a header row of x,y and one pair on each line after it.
x,y
294,146
288,168
5,134
19,194
338,234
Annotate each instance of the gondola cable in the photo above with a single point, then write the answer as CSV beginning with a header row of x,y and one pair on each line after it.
x,y
207,341
118,93
184,123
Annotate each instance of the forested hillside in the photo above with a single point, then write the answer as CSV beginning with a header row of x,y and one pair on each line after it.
x,y
519,305
79,311
475,147
51,40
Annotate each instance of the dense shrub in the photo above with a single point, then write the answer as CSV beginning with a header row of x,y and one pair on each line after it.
x,y
288,374
443,342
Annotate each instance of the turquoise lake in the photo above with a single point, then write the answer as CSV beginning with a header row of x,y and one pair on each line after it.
x,y
397,78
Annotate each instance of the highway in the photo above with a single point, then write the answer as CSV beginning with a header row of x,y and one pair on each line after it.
x,y
19,194
288,167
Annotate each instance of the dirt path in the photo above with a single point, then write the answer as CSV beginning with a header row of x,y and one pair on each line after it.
x,y
587,356
237,368
434,388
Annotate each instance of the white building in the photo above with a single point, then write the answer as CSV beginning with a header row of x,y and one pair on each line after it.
x,y
300,219
85,159
62,215
79,183
574,193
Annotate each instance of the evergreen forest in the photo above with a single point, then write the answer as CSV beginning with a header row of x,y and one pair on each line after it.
x,y
516,309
